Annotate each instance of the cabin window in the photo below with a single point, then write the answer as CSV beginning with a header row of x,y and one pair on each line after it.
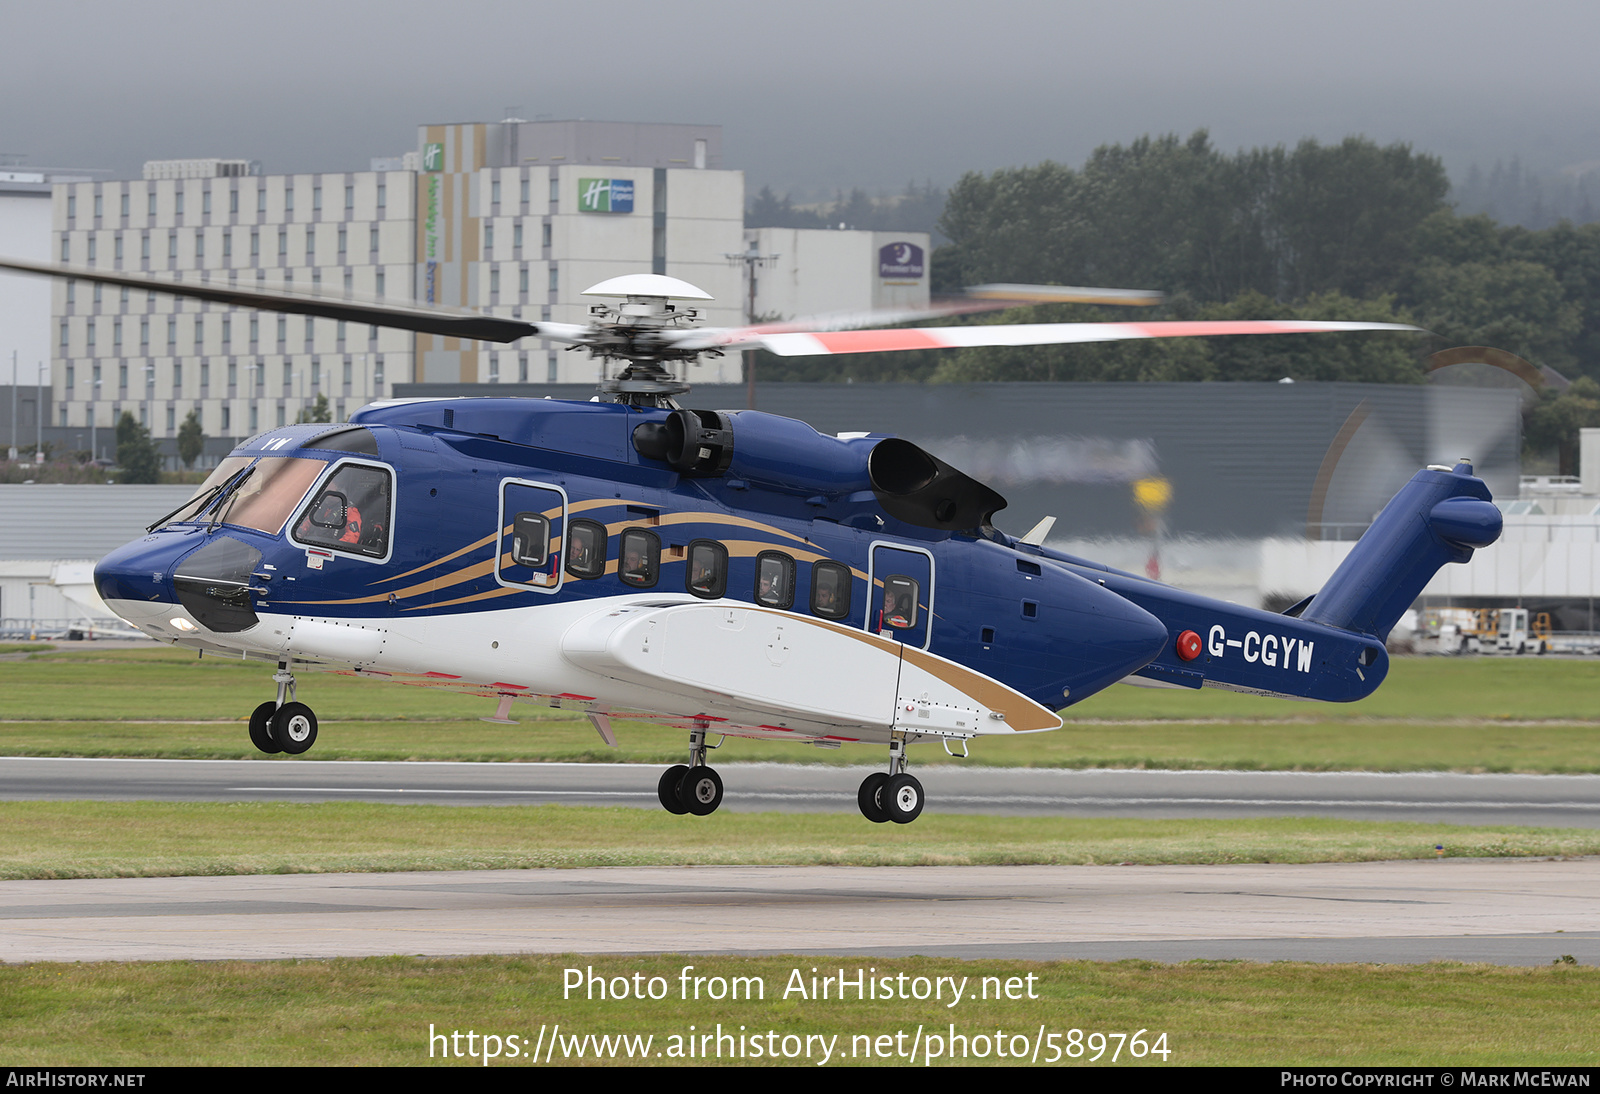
x,y
350,513
774,579
586,549
707,572
830,590
639,558
900,595
530,539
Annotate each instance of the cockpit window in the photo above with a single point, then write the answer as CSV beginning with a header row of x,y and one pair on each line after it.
x,y
350,513
260,496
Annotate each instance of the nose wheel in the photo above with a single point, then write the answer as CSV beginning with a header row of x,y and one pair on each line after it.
x,y
692,788
283,725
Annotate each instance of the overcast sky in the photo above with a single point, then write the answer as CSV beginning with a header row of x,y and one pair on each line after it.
x,y
813,95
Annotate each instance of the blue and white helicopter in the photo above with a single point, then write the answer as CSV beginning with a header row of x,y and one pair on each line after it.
x,y
724,573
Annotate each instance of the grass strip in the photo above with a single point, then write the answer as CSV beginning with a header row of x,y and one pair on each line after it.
x,y
164,839
378,1012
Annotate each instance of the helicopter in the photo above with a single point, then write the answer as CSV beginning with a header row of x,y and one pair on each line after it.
x,y
721,573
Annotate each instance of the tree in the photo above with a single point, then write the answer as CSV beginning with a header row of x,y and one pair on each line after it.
x,y
136,452
1554,421
191,439
316,412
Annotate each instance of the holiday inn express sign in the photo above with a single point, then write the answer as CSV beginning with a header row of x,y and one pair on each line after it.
x,y
605,195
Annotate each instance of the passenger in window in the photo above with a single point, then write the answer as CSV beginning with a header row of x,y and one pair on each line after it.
x,y
770,590
701,577
581,558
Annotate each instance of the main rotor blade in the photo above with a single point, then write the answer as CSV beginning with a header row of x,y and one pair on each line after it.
x,y
485,328
814,343
978,298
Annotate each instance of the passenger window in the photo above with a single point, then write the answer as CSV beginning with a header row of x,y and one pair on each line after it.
x,y
830,590
639,561
586,549
350,513
774,579
707,573
900,601
530,539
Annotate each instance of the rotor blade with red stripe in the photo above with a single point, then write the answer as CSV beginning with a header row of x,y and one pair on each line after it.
x,y
813,343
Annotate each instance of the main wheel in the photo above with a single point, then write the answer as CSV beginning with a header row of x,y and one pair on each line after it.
x,y
902,799
667,789
261,728
870,798
702,791
294,728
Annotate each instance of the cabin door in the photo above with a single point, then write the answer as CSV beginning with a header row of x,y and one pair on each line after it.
x,y
533,528
901,584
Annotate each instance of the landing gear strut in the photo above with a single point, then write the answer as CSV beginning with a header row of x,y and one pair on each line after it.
x,y
283,725
895,796
694,788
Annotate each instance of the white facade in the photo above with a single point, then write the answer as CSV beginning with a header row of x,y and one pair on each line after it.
x,y
24,301
814,271
160,357
515,219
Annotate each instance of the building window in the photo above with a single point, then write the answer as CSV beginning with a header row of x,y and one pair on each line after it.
x,y
544,235
199,333
144,333
522,368
516,236
66,248
227,244
172,333
125,202
178,207
552,369
233,201
205,376
64,334
261,200
555,278
172,419
288,198
525,191
227,418
283,330
72,206
227,331
144,245
372,239
116,332
150,203
233,375
316,199
255,330
488,239
311,243
205,202
380,282
177,378
172,246
494,282
283,242
92,242
117,247
555,188
343,236
255,242
316,373
98,200
494,192
522,282
255,418
349,197
383,195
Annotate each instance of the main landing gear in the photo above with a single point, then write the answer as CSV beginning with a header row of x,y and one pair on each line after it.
x,y
283,725
692,788
895,796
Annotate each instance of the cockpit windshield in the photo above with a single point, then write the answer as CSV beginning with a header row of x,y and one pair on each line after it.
x,y
262,499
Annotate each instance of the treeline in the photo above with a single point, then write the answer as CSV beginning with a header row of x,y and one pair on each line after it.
x,y
917,209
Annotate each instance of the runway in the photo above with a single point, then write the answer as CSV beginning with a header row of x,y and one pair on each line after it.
x,y
1516,912
1564,801
1519,912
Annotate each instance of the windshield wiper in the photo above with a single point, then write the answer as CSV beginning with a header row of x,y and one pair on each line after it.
x,y
199,504
225,499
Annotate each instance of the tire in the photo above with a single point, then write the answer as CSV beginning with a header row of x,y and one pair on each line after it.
x,y
261,728
870,798
294,728
902,799
701,791
667,789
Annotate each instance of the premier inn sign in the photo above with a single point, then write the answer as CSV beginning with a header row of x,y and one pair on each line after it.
x,y
605,195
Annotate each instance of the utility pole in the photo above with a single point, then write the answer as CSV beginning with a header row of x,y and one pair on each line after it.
x,y
750,259
38,441
11,452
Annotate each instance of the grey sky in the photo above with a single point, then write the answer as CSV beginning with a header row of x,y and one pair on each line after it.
x,y
821,94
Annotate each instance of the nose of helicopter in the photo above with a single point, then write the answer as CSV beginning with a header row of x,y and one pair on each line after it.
x,y
180,580
141,572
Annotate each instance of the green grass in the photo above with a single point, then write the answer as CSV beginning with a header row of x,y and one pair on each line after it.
x,y
153,839
1433,714
378,1011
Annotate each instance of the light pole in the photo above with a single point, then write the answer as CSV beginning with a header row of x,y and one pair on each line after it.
x,y
94,419
750,259
38,441
11,452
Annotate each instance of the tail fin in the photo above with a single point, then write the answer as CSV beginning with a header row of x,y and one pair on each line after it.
x,y
1438,517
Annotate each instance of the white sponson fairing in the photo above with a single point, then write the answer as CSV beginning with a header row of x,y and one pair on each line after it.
x,y
770,672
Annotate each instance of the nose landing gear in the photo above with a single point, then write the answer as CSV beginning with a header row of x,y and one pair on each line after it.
x,y
283,725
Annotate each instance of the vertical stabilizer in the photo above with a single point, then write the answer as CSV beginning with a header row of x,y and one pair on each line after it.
x,y
1439,516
